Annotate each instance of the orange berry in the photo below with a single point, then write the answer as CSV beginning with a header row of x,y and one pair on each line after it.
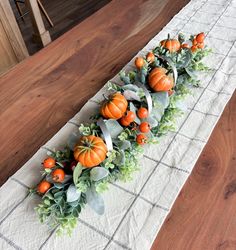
x,y
124,122
144,127
194,48
141,139
200,37
129,116
43,187
58,175
49,163
200,45
150,57
194,42
142,113
139,62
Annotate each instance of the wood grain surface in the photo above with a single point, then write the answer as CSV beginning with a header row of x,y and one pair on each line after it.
x,y
204,214
65,14
42,93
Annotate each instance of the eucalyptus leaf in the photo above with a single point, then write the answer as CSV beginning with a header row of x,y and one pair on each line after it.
x,y
152,121
95,201
191,73
98,173
124,144
60,164
161,98
59,185
120,159
72,194
74,203
185,59
59,195
132,107
131,95
114,127
124,78
130,87
157,112
77,172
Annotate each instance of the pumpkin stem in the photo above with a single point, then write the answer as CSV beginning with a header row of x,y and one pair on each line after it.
x,y
168,36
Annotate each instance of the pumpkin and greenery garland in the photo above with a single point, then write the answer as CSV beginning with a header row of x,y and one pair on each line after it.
x,y
76,175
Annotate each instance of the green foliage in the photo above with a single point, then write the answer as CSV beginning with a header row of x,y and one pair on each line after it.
x,y
123,160
57,213
89,129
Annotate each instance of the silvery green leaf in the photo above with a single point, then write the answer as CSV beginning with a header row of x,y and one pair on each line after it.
x,y
124,144
157,112
132,107
98,173
72,194
161,98
131,95
72,140
114,127
95,201
130,87
60,164
120,159
124,78
143,78
58,185
186,59
74,203
144,71
77,172
152,121
191,73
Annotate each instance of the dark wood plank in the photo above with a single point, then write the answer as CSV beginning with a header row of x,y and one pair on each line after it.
x,y
41,94
204,215
64,14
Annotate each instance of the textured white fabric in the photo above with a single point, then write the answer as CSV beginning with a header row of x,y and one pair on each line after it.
x,y
135,211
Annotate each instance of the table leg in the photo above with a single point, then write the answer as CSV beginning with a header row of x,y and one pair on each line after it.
x,y
40,33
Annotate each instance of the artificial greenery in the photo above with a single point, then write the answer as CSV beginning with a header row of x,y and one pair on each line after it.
x,y
63,202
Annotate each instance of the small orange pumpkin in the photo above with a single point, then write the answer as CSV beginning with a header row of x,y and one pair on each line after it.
x,y
114,107
90,151
159,81
172,45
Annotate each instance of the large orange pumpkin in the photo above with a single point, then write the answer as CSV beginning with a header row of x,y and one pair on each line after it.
x,y
90,151
172,45
159,81
115,107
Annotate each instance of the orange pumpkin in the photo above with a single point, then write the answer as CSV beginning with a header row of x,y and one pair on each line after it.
x,y
172,45
115,107
159,81
90,151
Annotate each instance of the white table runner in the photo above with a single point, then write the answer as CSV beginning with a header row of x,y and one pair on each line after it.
x,y
135,211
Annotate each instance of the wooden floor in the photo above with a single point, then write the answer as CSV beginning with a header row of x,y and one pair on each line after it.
x,y
64,14
42,93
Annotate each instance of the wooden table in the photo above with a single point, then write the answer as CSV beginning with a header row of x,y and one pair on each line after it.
x,y
42,93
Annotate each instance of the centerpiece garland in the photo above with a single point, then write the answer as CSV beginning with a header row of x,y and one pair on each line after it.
x,y
137,112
